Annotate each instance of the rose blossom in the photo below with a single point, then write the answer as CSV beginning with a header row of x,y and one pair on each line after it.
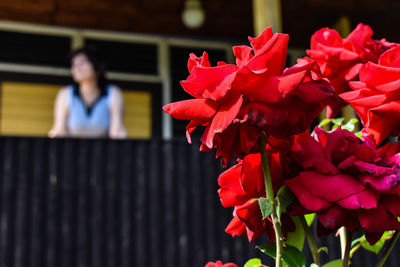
x,y
236,102
241,185
341,59
220,264
347,182
376,97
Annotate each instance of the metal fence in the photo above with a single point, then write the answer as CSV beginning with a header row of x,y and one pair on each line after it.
x,y
109,203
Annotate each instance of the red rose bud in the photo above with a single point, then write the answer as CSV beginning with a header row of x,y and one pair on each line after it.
x,y
220,264
347,182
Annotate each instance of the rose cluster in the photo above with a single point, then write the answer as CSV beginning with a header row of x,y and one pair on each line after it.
x,y
346,180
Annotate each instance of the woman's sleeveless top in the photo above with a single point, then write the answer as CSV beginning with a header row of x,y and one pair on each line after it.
x,y
91,121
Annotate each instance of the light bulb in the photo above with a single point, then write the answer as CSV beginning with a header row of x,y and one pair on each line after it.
x,y
193,15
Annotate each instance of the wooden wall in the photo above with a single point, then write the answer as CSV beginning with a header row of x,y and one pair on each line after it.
x,y
301,18
225,18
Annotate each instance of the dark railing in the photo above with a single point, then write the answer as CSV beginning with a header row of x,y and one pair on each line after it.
x,y
107,203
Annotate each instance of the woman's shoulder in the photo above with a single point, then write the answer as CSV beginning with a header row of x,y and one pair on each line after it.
x,y
115,95
64,91
113,87
114,90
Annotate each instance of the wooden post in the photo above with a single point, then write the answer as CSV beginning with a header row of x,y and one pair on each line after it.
x,y
267,13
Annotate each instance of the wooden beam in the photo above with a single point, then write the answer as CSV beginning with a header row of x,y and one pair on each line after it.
x,y
267,13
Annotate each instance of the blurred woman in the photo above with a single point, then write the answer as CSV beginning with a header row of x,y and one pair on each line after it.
x,y
90,107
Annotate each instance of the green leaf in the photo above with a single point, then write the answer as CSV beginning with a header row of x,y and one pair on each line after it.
x,y
335,263
270,250
350,125
296,238
253,263
338,121
309,218
291,256
285,197
324,249
324,122
358,134
265,207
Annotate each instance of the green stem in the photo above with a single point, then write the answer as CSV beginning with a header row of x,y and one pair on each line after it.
x,y
388,249
310,240
353,250
267,175
346,255
270,197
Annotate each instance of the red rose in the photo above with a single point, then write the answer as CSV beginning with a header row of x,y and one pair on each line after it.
x,y
347,182
236,102
376,98
341,59
240,186
220,264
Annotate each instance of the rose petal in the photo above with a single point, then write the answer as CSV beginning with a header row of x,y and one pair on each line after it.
x,y
192,109
330,187
307,200
236,227
366,199
376,75
377,220
372,169
336,217
243,54
224,116
381,183
198,61
272,55
391,109
259,42
372,237
392,204
390,58
250,215
315,92
231,192
311,155
212,83
252,177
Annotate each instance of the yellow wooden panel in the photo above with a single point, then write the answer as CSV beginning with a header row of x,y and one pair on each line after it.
x,y
27,109
137,114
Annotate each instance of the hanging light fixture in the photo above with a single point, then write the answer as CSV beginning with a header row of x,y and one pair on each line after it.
x,y
193,15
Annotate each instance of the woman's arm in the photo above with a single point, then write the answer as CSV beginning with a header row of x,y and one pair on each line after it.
x,y
117,129
60,114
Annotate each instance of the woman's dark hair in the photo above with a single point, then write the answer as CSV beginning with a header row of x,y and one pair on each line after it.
x,y
98,65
